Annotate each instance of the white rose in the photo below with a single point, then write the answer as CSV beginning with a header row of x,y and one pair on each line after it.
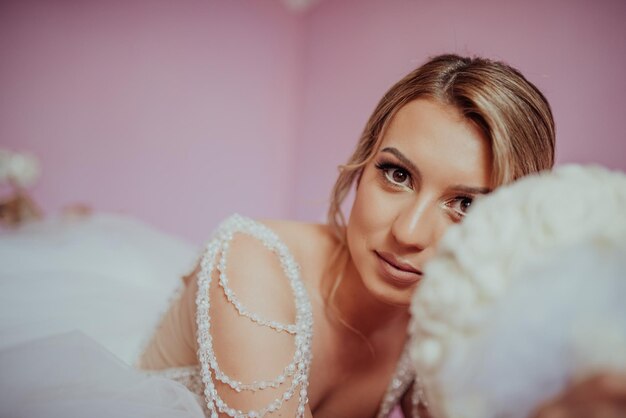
x,y
23,169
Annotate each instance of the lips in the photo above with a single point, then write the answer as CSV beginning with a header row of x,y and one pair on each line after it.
x,y
397,271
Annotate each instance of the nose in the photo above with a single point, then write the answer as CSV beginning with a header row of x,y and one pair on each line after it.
x,y
417,225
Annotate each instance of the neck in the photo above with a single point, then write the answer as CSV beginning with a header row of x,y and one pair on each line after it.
x,y
361,310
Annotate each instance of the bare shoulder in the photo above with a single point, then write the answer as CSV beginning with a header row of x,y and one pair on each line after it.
x,y
293,232
256,273
312,244
251,279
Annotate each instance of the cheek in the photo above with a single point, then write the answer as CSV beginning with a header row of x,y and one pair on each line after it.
x,y
370,212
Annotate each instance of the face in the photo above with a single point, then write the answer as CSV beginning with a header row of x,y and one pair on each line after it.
x,y
431,164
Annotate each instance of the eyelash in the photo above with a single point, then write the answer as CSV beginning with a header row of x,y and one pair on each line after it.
x,y
385,166
457,214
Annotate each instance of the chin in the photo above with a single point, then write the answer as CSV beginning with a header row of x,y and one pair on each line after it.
x,y
388,293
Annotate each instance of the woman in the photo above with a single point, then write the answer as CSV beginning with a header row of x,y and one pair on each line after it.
x,y
449,132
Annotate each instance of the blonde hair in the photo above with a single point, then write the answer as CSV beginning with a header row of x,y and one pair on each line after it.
x,y
512,113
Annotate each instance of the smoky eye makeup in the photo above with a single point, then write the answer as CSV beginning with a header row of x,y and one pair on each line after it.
x,y
459,205
394,174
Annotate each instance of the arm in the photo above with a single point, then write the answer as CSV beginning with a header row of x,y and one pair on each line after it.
x,y
246,351
600,396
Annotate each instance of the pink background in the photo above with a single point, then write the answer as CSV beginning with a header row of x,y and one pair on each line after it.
x,y
181,112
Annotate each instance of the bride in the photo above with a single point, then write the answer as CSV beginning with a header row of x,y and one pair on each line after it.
x,y
290,319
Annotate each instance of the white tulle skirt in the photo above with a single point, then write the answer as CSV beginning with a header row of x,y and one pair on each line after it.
x,y
108,276
105,280
70,375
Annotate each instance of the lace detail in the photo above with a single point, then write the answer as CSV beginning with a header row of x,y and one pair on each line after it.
x,y
298,370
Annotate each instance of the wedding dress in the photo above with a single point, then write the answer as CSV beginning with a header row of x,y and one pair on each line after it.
x,y
293,381
79,296
70,376
111,278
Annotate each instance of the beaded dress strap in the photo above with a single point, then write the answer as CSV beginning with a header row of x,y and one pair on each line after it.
x,y
215,257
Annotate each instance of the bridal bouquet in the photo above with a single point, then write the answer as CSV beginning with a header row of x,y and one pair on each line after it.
x,y
525,296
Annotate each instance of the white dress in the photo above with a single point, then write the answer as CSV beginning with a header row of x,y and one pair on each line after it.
x,y
108,276
78,299
69,375
294,379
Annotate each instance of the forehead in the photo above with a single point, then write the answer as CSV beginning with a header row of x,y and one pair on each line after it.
x,y
437,137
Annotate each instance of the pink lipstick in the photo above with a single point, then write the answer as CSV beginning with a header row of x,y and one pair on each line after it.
x,y
397,271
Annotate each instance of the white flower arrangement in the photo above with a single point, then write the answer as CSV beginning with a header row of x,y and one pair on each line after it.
x,y
508,310
18,169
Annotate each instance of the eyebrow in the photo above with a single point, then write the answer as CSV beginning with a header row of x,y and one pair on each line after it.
x,y
472,190
416,173
404,160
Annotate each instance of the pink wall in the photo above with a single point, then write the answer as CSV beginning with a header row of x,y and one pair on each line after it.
x,y
177,112
575,51
180,112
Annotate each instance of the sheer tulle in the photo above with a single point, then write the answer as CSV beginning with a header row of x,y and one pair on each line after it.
x,y
106,275
70,375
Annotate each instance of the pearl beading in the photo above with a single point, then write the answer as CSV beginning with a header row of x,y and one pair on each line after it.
x,y
215,256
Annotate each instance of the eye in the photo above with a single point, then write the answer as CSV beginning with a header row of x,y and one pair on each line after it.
x,y
395,175
461,204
